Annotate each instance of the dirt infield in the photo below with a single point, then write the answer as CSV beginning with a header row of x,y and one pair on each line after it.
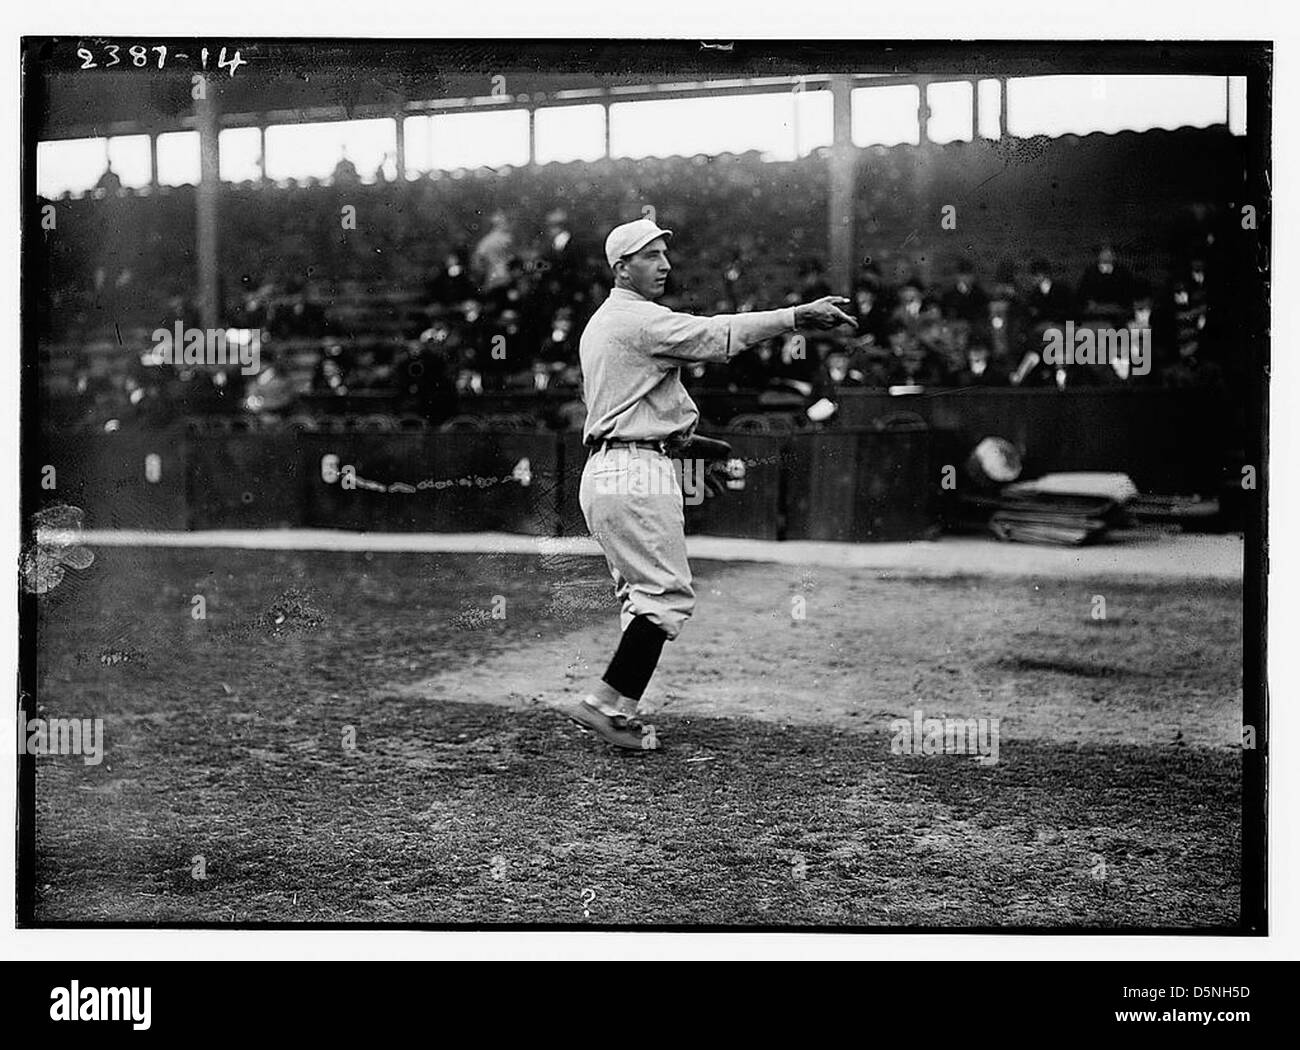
x,y
850,650
354,737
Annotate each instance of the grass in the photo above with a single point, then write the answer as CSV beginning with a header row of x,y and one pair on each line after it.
x,y
228,740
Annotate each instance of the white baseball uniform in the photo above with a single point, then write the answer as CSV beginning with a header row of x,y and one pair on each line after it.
x,y
631,353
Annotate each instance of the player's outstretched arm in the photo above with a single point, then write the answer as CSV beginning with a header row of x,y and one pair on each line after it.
x,y
823,313
677,338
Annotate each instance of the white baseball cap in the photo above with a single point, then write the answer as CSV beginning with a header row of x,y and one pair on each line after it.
x,y
631,237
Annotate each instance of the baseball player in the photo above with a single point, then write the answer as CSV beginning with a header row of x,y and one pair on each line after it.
x,y
638,414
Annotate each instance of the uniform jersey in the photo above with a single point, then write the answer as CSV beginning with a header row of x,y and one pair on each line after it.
x,y
632,351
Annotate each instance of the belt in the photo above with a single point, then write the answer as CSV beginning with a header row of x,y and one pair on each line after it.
x,y
650,446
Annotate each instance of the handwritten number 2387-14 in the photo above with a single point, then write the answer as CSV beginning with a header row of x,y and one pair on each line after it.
x,y
138,56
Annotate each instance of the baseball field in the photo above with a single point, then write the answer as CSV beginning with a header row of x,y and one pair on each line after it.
x,y
359,737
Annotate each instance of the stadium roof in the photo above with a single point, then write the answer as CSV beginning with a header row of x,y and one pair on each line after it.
x,y
291,80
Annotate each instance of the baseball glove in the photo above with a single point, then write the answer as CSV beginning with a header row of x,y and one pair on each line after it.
x,y
697,447
722,471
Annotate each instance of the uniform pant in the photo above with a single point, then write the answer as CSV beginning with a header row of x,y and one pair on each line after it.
x,y
632,500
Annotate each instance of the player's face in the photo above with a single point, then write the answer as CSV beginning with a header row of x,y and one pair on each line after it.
x,y
647,270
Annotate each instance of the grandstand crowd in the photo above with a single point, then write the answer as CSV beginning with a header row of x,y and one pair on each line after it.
x,y
451,290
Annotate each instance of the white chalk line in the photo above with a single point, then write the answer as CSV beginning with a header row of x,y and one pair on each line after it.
x,y
1142,555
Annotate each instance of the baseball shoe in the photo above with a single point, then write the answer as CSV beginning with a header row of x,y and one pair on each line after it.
x,y
619,730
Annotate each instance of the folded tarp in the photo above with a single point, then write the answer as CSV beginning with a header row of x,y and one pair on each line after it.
x,y
1116,487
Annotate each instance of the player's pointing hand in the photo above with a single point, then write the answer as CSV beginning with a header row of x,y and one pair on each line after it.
x,y
823,313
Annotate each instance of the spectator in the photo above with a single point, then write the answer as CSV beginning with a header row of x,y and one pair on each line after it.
x,y
108,182
1192,233
917,366
869,277
492,255
1190,317
1035,372
507,352
345,172
911,306
564,269
1005,318
966,299
518,296
1105,289
980,368
107,277
912,364
946,340
794,365
1113,365
561,343
1196,275
330,378
832,375
473,340
731,276
451,282
427,374
868,313
1049,302
1146,323
271,394
869,362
